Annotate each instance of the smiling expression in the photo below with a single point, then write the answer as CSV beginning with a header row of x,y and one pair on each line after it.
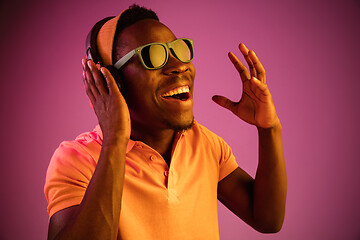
x,y
157,99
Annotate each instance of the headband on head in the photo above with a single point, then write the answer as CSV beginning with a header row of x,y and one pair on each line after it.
x,y
105,40
100,40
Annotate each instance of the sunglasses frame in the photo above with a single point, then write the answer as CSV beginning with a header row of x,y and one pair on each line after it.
x,y
167,46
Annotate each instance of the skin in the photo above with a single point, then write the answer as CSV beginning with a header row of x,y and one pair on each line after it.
x,y
260,202
144,116
154,119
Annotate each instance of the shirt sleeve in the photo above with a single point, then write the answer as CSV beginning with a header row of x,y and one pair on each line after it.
x,y
228,162
68,175
221,150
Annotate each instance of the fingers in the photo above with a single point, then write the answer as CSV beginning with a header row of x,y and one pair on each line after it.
x,y
110,81
91,91
245,51
256,68
244,74
88,90
260,70
94,79
224,102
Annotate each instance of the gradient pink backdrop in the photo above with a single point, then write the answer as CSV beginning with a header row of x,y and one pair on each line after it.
x,y
310,50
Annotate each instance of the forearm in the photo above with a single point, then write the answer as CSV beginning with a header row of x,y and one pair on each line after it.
x,y
270,184
97,217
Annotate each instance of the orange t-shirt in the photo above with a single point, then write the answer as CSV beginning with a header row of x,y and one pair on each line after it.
x,y
158,202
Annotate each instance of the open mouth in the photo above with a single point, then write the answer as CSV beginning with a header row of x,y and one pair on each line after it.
x,y
180,93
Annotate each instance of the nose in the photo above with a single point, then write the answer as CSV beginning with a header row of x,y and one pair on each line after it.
x,y
175,66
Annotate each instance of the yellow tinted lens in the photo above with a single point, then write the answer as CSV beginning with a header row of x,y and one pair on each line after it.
x,y
182,50
157,55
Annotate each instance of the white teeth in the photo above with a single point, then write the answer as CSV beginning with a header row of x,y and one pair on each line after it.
x,y
179,90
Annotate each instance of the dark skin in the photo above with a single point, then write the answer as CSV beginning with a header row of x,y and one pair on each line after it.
x,y
153,117
144,116
260,202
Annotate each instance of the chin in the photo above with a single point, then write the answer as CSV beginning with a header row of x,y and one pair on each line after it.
x,y
181,125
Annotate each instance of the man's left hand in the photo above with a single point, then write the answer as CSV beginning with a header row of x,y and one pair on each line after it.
x,y
256,106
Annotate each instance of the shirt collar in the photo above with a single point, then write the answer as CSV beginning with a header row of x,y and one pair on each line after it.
x,y
131,143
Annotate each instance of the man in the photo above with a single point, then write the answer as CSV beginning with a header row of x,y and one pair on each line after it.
x,y
150,171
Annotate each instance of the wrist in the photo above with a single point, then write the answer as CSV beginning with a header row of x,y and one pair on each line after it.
x,y
115,140
275,127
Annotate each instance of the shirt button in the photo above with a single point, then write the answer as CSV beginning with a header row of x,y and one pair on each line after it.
x,y
152,158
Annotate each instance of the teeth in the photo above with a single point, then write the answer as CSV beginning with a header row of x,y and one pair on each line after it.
x,y
179,90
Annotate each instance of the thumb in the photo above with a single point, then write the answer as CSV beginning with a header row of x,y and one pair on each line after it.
x,y
224,102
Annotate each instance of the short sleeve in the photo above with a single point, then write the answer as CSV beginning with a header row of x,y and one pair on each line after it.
x,y
228,162
219,149
68,175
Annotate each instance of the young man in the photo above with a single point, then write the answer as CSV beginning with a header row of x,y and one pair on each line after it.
x,y
149,171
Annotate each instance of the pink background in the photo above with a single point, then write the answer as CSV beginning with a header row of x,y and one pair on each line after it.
x,y
310,50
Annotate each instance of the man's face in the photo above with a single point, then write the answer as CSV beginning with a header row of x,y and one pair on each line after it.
x,y
147,95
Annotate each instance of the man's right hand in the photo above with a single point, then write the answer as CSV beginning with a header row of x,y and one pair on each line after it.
x,y
109,105
98,214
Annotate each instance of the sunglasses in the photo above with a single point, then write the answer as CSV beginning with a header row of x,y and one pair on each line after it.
x,y
155,55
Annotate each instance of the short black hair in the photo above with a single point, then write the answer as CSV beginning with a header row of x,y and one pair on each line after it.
x,y
132,15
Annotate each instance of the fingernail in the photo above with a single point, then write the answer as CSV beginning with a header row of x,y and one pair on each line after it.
x,y
89,65
83,63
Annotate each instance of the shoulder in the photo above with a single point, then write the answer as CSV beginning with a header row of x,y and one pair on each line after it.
x,y
200,138
85,143
84,150
202,133
70,170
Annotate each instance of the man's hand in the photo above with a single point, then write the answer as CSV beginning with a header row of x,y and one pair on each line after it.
x,y
108,103
259,202
256,105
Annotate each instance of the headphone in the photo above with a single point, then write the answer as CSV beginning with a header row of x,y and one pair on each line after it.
x,y
92,53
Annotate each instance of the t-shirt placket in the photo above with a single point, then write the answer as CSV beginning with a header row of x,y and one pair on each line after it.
x,y
171,175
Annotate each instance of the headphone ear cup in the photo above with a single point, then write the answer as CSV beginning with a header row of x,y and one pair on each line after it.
x,y
118,79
